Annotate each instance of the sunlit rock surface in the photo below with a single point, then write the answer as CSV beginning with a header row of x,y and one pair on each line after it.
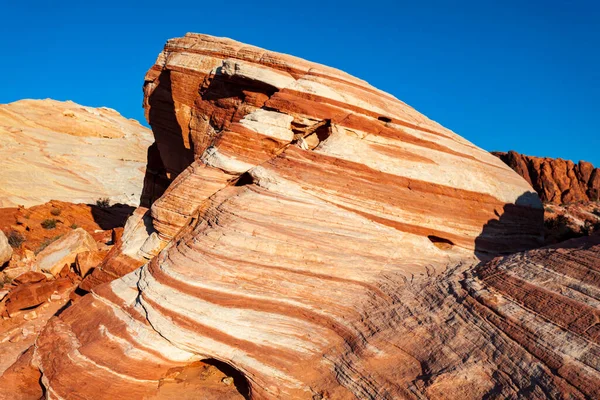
x,y
556,180
53,150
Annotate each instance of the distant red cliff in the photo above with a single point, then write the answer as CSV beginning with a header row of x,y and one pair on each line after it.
x,y
556,180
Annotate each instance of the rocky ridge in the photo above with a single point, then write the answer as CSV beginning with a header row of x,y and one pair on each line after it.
x,y
554,179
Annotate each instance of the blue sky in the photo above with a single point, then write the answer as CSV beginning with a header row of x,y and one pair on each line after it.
x,y
522,75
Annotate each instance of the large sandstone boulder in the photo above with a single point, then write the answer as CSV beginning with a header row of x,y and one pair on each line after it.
x,y
64,251
39,162
556,180
321,240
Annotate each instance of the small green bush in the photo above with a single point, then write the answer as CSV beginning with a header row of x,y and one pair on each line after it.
x,y
49,224
46,243
74,226
15,239
103,202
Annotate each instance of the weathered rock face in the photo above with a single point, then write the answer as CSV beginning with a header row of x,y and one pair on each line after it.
x,y
219,109
37,138
318,233
554,179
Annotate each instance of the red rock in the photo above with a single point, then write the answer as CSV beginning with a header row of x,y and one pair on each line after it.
x,y
94,220
569,221
30,277
556,180
88,260
22,380
34,294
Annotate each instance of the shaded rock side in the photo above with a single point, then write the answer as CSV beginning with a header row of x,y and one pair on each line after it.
x,y
6,250
305,218
554,179
37,142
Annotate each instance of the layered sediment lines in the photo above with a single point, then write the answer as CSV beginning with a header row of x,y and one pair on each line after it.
x,y
320,237
554,179
53,150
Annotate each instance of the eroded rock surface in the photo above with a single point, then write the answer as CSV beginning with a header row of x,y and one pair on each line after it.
x,y
39,164
321,237
554,179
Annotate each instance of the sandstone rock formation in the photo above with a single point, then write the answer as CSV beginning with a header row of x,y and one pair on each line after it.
x,y
317,232
556,180
37,139
319,239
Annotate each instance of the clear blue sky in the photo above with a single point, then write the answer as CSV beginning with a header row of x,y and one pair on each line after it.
x,y
522,75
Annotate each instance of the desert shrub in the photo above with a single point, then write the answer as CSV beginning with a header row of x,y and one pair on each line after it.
x,y
558,222
46,243
4,279
103,202
49,224
559,229
15,239
590,227
74,226
55,211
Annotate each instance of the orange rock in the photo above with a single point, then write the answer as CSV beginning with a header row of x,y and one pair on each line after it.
x,y
97,221
556,180
88,260
34,294
30,277
22,380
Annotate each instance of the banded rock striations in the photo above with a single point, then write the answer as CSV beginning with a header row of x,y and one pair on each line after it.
x,y
554,179
68,152
320,237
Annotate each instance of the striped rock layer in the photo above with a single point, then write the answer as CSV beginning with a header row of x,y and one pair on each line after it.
x,y
319,237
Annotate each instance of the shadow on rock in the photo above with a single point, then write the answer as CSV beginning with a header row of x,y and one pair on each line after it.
x,y
110,217
519,227
169,155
